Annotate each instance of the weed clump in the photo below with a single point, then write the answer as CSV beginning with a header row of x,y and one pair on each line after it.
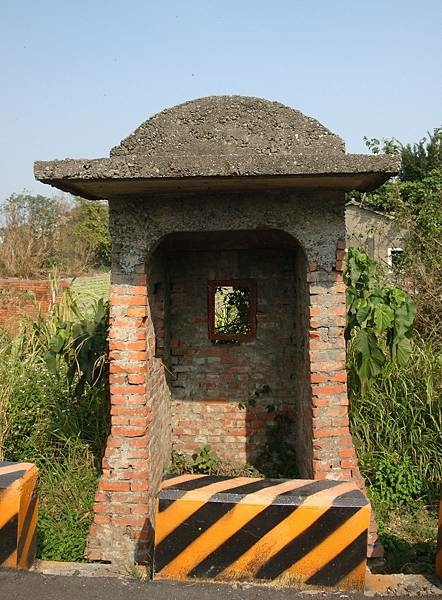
x,y
54,415
206,460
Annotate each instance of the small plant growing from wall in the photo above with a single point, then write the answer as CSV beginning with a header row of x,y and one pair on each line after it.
x,y
206,460
277,458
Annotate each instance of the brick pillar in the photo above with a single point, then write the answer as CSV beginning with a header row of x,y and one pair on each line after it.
x,y
122,528
334,455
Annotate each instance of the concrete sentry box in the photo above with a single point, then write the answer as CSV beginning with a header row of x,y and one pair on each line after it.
x,y
18,514
221,195
237,529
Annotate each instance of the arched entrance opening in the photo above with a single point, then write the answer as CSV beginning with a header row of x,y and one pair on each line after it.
x,y
238,386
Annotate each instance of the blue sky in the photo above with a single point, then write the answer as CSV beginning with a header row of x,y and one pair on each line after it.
x,y
78,76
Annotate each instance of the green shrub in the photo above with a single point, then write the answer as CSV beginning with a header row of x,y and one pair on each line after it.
x,y
409,538
379,321
395,387
421,268
417,206
35,394
395,480
58,419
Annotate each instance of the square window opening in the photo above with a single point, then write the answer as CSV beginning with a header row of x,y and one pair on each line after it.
x,y
232,310
395,257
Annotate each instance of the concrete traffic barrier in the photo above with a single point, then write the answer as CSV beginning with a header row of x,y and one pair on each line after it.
x,y
18,514
234,529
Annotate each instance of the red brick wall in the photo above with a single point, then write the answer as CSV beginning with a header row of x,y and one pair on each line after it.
x,y
330,424
136,449
334,455
23,297
210,379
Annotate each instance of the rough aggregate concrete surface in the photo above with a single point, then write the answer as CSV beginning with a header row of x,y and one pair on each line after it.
x,y
138,166
222,136
137,228
214,124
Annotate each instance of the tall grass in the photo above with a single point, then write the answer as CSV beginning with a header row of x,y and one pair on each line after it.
x,y
397,427
17,354
47,419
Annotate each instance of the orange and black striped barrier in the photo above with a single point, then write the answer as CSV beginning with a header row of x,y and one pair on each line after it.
x,y
293,531
439,544
18,514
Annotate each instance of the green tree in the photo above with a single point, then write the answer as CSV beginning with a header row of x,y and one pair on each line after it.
x,y
418,160
39,212
41,233
383,145
29,244
91,227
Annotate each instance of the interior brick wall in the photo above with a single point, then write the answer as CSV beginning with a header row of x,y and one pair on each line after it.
x,y
209,379
303,422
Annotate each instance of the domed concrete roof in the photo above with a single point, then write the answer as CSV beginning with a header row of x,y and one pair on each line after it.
x,y
226,125
221,142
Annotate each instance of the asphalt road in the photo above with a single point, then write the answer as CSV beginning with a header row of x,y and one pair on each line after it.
x,y
18,585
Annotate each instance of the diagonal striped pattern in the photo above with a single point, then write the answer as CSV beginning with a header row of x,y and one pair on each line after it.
x,y
18,514
302,531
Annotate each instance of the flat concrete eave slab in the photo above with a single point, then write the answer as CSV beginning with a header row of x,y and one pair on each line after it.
x,y
136,176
